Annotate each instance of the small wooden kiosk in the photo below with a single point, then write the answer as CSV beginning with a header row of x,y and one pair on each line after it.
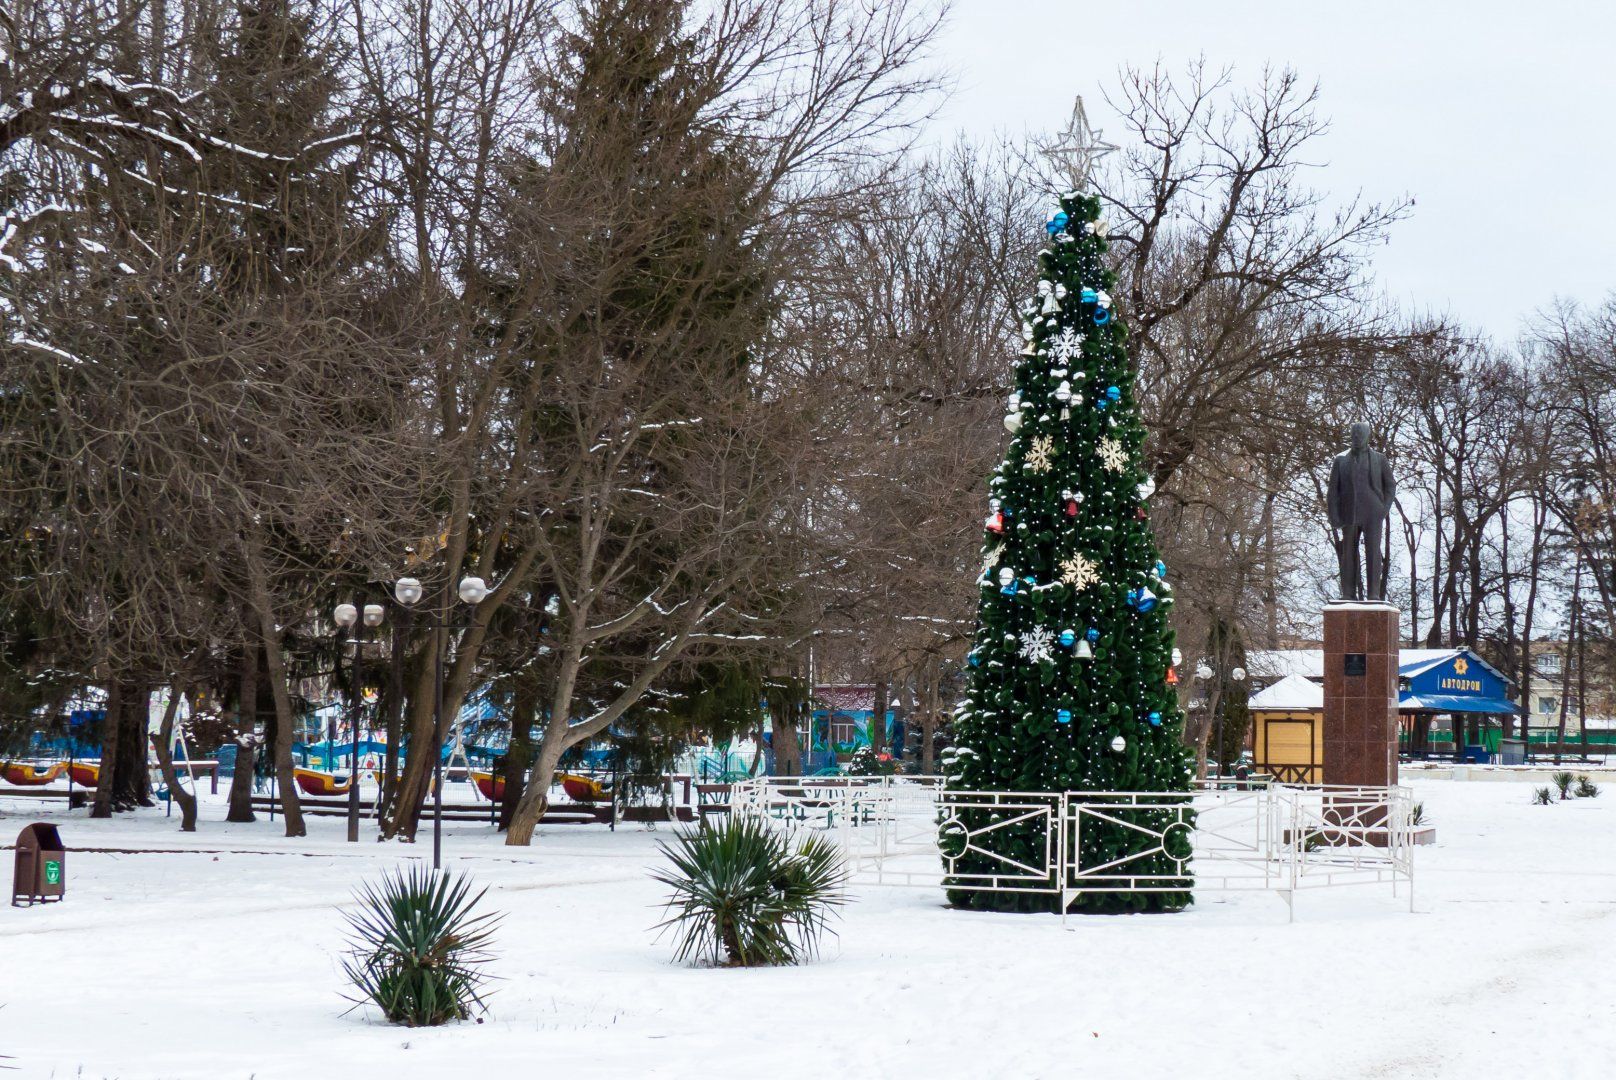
x,y
1287,722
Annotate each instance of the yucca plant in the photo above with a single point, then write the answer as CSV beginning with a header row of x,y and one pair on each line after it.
x,y
745,895
1542,796
1586,788
1563,781
419,946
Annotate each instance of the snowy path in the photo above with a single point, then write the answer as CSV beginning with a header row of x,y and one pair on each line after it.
x,y
1507,969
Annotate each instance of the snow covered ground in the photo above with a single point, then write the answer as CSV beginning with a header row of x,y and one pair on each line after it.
x,y
221,960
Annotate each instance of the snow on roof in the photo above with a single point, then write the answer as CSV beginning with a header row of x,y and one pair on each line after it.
x,y
1268,664
1293,692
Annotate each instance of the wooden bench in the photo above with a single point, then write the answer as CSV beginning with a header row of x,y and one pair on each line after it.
x,y
712,799
79,796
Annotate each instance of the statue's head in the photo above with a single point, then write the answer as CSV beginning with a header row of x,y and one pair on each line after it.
x,y
1360,436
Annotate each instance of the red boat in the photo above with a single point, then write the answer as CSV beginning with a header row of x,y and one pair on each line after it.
x,y
84,774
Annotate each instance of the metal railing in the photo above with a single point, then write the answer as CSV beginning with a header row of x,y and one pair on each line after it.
x,y
1251,835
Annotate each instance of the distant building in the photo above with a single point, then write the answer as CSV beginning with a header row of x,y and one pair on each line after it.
x,y
1447,698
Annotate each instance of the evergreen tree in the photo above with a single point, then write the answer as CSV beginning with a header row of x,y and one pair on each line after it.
x,y
1069,679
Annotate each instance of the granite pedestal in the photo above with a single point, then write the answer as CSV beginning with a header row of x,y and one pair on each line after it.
x,y
1360,694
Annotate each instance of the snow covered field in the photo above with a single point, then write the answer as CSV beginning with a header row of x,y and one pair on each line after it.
x,y
221,960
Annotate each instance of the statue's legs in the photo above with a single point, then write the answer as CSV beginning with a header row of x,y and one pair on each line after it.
x,y
1351,580
1375,581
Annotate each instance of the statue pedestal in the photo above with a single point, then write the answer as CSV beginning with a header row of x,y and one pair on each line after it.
x,y
1360,694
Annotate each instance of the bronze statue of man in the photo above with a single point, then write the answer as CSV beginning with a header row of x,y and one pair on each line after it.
x,y
1358,500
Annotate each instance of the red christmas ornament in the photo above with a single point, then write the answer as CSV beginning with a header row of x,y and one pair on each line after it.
x,y
1172,676
995,522
1141,513
1071,507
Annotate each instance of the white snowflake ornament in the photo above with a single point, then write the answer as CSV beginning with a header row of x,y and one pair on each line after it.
x,y
1067,347
1041,455
1112,455
1079,572
1038,645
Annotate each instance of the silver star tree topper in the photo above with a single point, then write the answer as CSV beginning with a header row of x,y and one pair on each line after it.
x,y
1077,149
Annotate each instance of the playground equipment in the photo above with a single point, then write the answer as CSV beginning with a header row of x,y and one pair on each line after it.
x,y
583,788
84,773
491,786
314,782
25,775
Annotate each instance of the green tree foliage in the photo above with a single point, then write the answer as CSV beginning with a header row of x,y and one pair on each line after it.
x,y
1070,568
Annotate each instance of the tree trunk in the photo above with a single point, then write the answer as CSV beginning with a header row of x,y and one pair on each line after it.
x,y
241,781
1582,683
131,780
395,715
519,754
165,761
930,721
1566,657
878,717
1270,597
536,799
783,736
102,807
285,722
426,739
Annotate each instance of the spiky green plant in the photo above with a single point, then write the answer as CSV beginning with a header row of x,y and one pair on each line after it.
x,y
1563,781
419,947
1542,796
745,895
1586,788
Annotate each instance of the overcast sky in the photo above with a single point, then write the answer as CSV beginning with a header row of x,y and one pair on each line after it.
x,y
1499,119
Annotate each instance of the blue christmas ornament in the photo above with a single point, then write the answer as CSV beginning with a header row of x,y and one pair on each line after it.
x,y
1067,638
1010,589
1101,316
1064,716
1155,719
1133,597
1146,600
1089,296
1093,635
976,661
1161,568
1056,224
1113,393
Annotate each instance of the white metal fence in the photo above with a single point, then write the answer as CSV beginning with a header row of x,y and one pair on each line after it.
x,y
1228,836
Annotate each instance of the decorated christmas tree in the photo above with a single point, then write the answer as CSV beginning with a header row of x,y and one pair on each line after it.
x,y
1072,670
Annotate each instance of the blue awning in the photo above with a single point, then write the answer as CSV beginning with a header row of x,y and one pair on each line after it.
x,y
1458,681
1453,703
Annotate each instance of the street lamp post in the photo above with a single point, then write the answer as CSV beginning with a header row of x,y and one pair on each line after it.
x,y
408,592
346,616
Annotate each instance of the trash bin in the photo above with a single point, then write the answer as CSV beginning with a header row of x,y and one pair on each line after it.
x,y
41,868
1512,752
